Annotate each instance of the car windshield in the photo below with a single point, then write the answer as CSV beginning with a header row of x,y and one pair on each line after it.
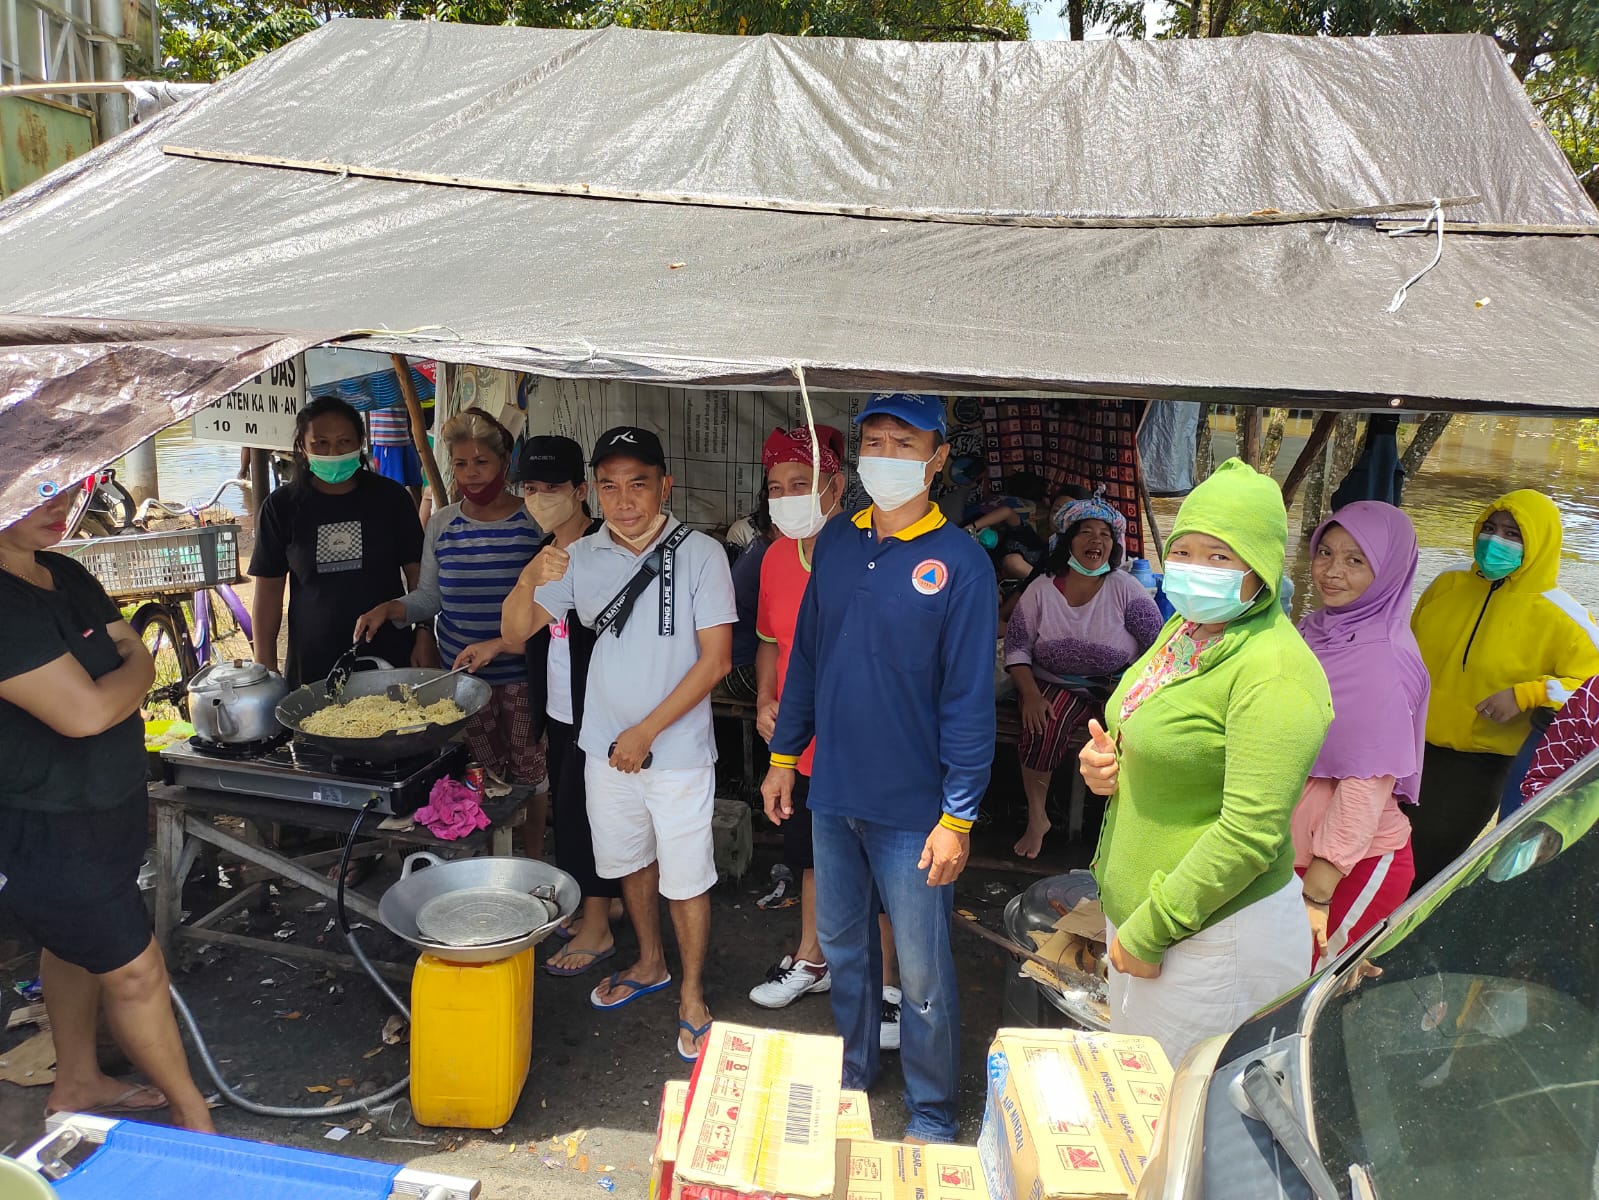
x,y
1460,1054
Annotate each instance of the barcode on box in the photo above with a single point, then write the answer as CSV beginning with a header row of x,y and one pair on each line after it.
x,y
801,1114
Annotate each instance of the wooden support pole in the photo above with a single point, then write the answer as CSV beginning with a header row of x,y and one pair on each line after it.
x,y
1247,425
260,479
419,432
1314,445
874,212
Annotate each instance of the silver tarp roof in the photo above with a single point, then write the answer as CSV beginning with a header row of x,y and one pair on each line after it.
x,y
729,260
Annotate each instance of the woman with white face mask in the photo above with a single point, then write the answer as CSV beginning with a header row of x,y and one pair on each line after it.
x,y
1075,629
1211,736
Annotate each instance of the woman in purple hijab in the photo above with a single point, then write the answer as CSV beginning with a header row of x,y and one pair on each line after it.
x,y
1351,841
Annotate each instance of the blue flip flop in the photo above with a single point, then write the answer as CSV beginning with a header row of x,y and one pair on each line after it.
x,y
694,1036
637,990
594,956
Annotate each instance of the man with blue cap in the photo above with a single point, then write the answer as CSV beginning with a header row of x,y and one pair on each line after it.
x,y
892,673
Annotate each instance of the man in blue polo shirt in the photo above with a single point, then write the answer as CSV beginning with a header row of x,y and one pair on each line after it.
x,y
892,672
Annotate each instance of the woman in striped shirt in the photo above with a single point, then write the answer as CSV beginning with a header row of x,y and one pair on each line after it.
x,y
472,554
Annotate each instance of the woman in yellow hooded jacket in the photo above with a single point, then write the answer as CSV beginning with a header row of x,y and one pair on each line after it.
x,y
1501,641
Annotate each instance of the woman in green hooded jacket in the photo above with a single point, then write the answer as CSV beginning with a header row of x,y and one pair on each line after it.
x,y
1211,736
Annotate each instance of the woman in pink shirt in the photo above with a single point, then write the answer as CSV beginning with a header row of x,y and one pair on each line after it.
x,y
1351,841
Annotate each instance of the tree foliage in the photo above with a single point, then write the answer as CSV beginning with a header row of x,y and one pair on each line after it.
x,y
206,39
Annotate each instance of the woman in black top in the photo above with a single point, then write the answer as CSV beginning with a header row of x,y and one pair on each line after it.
x,y
348,537
73,819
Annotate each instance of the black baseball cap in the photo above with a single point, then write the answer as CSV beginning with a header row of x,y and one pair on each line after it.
x,y
631,441
550,459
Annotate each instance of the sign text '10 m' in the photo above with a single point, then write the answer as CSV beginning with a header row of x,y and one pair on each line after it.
x,y
260,413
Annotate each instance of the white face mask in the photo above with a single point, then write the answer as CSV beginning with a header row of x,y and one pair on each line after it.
x,y
799,517
892,482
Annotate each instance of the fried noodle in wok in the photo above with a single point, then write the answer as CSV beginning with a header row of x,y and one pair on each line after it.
x,y
373,716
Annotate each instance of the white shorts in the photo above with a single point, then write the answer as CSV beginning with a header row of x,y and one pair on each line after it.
x,y
654,815
1214,981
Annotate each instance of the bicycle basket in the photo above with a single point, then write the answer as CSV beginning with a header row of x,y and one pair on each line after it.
x,y
150,563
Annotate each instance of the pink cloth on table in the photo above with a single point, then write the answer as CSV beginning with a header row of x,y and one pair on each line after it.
x,y
453,811
1346,821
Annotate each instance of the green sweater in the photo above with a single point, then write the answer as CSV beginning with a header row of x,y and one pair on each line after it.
x,y
1213,764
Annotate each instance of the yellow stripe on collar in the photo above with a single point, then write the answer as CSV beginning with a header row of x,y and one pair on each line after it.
x,y
933,520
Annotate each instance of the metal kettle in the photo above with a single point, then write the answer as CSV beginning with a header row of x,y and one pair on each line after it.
x,y
233,703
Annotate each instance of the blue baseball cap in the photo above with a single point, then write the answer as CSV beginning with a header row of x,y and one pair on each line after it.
x,y
914,408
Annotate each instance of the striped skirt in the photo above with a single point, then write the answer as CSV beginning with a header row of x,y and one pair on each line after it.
x,y
1068,712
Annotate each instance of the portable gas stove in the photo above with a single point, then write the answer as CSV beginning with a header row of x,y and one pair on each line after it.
x,y
295,770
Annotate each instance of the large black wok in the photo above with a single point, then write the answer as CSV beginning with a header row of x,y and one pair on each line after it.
x,y
471,694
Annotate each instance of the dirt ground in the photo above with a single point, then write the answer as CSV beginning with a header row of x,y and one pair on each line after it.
x,y
279,1028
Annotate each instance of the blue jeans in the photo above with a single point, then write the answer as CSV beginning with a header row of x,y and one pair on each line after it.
x,y
858,863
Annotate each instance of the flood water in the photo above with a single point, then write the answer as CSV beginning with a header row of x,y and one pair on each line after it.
x,y
1479,458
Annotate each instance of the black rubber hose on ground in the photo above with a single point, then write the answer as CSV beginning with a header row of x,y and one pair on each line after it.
x,y
279,1110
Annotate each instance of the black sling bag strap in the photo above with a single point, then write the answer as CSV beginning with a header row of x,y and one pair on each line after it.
x,y
658,562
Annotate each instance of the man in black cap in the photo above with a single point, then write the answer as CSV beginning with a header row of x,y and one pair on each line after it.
x,y
659,597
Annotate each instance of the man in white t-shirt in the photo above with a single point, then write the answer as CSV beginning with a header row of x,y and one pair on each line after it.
x,y
660,598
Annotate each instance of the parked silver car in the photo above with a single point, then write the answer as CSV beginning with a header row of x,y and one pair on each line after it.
x,y
1453,1052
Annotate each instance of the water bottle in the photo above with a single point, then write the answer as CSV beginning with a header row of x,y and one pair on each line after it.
x,y
1139,569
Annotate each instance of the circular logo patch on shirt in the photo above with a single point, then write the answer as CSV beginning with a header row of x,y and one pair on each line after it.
x,y
929,577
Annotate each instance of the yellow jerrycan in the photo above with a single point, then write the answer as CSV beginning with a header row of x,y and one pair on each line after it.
x,y
471,1040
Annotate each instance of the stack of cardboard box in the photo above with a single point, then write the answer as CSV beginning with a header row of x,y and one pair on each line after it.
x,y
1069,1116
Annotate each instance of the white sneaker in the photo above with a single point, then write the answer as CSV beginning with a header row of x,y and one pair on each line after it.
x,y
789,980
888,1031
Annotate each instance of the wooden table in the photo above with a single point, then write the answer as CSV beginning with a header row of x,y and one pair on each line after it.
x,y
186,823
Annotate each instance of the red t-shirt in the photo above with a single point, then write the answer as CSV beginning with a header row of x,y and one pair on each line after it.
x,y
785,572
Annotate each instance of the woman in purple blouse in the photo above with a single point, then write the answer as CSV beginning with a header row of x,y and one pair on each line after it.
x,y
1078,625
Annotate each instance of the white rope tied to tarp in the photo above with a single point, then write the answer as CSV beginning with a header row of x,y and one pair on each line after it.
x,y
810,424
1434,218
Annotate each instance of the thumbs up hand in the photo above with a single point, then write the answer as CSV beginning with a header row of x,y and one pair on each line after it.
x,y
1097,761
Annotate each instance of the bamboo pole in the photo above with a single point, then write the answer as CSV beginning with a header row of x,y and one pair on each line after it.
x,y
419,432
1497,229
1262,216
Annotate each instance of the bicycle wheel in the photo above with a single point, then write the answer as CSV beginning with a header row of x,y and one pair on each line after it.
x,y
165,635
228,639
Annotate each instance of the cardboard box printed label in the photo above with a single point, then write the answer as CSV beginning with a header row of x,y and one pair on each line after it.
x,y
1070,1115
854,1124
668,1132
763,1116
896,1171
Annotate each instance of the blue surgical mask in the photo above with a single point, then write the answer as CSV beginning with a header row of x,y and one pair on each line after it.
x,y
1206,595
1496,556
1071,561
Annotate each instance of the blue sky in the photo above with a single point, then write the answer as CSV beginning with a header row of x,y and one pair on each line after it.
x,y
1046,23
